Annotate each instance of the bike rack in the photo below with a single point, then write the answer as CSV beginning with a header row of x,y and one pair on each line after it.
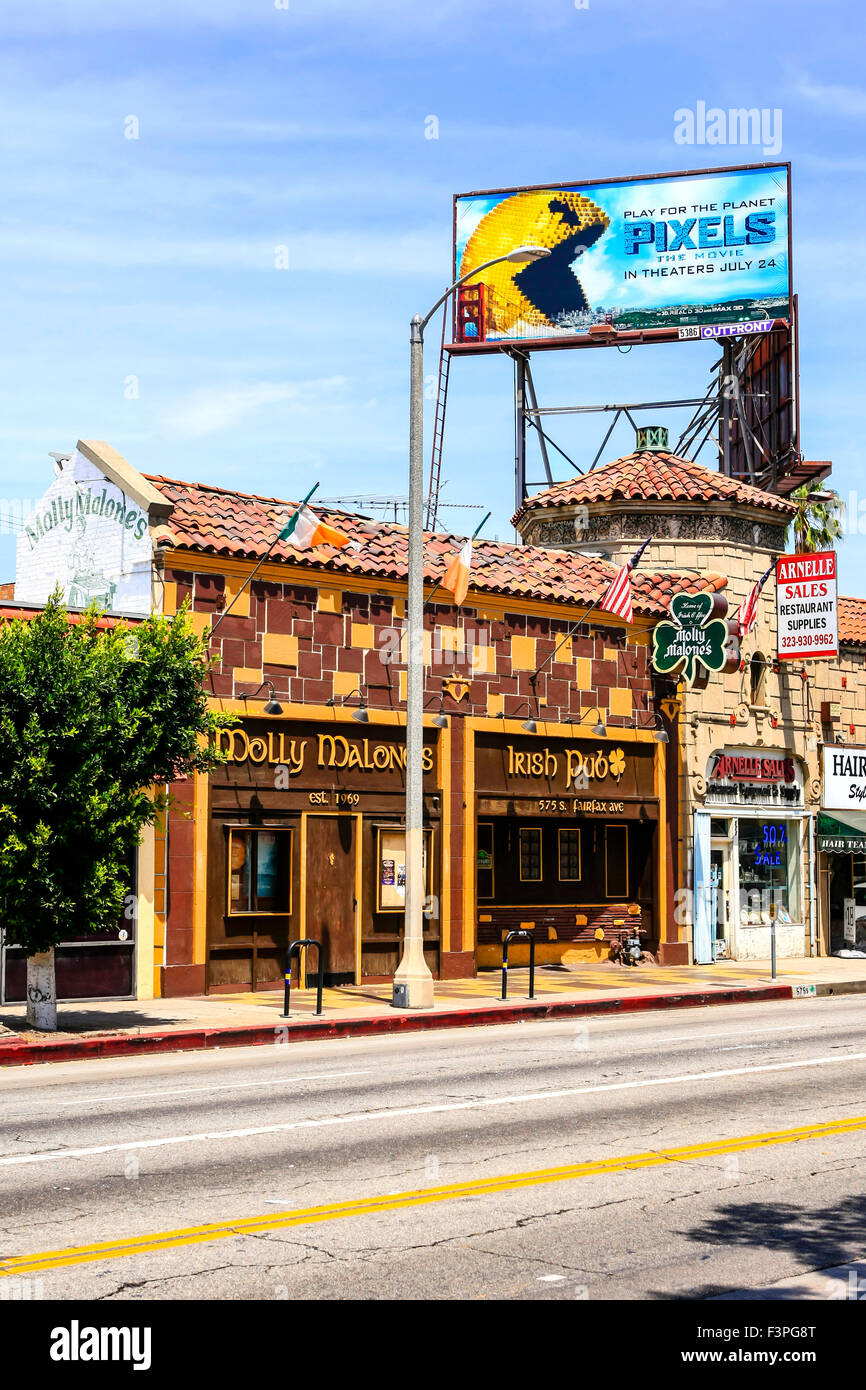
x,y
511,936
297,946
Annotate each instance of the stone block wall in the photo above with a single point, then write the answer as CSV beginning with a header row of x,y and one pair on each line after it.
x,y
316,643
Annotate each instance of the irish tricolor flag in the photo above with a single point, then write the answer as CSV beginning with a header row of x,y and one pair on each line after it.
x,y
304,530
457,574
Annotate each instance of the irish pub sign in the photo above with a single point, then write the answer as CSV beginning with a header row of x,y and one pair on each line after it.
x,y
696,639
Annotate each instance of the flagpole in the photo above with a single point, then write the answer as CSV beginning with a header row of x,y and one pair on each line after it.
x,y
438,585
761,582
583,617
251,576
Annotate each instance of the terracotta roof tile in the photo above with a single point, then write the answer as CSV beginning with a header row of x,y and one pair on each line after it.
x,y
852,621
10,611
653,477
241,525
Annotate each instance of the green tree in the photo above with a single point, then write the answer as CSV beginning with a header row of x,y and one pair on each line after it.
x,y
817,523
94,719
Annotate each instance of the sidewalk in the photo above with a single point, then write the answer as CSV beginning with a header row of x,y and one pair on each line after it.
x,y
117,1028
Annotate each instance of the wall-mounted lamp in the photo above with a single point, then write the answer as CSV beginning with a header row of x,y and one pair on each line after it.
x,y
441,719
659,731
360,714
529,724
598,729
273,705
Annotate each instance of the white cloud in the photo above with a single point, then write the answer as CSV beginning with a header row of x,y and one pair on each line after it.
x,y
844,101
213,410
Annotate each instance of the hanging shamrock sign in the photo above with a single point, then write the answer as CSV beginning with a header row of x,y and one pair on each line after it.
x,y
696,639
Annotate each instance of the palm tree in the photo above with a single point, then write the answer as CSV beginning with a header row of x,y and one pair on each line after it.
x,y
818,520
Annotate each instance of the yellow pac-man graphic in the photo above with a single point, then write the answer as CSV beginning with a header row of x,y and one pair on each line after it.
x,y
539,294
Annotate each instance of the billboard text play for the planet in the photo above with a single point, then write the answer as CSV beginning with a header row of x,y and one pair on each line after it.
x,y
658,252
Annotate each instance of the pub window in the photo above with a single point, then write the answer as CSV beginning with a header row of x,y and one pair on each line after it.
x,y
569,853
484,859
616,861
530,853
260,871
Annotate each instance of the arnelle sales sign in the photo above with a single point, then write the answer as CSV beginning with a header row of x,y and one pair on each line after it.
x,y
806,605
661,252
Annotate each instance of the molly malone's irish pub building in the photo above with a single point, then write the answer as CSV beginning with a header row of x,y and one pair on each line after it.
x,y
545,795
550,765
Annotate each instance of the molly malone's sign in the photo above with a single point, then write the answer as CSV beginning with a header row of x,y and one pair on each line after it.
x,y
321,751
91,538
696,639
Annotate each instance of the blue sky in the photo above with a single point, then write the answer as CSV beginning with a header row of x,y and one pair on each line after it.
x,y
142,302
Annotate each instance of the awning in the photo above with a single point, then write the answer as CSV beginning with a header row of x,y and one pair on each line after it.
x,y
846,836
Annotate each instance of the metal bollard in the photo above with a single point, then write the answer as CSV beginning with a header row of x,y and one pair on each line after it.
x,y
511,936
297,946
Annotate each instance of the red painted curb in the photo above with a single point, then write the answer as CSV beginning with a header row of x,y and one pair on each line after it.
x,y
257,1035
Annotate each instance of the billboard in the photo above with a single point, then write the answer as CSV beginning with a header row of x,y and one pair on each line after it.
x,y
661,252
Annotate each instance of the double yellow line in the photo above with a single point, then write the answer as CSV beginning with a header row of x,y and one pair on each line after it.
x,y
423,1196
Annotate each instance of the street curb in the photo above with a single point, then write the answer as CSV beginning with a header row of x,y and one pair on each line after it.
x,y
257,1035
827,988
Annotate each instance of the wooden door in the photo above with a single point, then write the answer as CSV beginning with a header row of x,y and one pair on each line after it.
x,y
331,894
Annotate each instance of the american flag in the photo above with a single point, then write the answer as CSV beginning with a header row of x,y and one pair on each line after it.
x,y
747,615
749,610
617,596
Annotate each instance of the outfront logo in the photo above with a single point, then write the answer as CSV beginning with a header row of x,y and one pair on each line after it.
x,y
77,1343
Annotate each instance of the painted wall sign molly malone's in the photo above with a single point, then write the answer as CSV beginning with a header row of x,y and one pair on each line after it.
x,y
90,538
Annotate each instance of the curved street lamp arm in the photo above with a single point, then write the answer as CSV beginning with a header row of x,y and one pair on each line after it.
x,y
485,265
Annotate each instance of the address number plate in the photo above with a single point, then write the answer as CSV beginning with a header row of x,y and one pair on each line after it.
x,y
805,991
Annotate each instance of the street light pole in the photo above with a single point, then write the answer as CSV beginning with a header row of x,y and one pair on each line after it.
x,y
413,982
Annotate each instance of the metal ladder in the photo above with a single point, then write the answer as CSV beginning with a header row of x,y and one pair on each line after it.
x,y
438,431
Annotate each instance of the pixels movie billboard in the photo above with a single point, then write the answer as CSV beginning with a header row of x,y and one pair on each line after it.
x,y
659,252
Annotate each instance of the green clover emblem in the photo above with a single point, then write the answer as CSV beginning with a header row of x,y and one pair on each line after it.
x,y
694,637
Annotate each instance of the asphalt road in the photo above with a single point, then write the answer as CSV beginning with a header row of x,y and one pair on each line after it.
x,y
126,1151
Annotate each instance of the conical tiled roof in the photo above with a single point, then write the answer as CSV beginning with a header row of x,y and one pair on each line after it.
x,y
649,476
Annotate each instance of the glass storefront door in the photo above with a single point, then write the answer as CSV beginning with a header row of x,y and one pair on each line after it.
x,y
720,896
